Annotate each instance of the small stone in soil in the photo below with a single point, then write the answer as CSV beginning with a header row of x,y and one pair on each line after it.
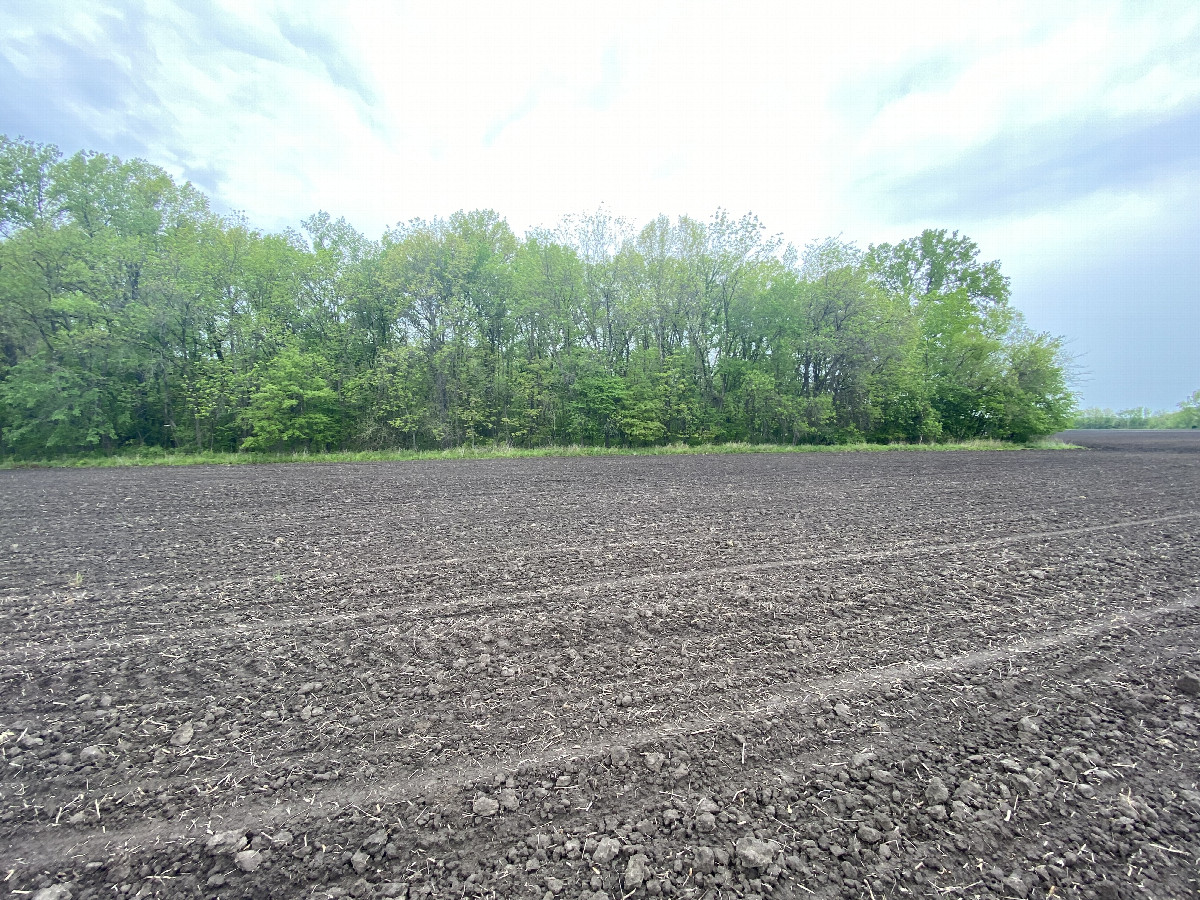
x,y
226,842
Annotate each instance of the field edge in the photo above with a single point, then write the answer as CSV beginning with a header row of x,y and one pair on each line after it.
x,y
503,451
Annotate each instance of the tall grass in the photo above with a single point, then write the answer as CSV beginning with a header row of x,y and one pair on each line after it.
x,y
158,457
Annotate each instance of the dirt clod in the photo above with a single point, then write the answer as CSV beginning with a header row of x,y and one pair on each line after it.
x,y
485,806
183,735
936,791
636,871
606,850
753,853
248,860
226,842
1016,885
869,835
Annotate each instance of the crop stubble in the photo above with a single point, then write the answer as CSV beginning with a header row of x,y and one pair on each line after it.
x,y
744,675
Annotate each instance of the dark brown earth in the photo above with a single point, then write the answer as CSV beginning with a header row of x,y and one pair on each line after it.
x,y
876,675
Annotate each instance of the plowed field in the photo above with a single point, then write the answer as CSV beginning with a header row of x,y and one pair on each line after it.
x,y
835,675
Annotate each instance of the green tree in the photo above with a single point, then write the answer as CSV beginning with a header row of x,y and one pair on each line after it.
x,y
397,392
599,400
53,409
984,373
1189,413
291,405
1036,399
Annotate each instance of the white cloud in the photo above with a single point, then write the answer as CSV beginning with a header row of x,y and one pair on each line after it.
x,y
541,108
1093,68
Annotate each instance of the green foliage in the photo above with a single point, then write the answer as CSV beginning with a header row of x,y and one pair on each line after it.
x,y
1189,413
1187,416
291,405
51,408
133,318
1094,417
1035,397
985,375
156,456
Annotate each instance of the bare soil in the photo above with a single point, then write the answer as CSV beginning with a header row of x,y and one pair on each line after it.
x,y
848,675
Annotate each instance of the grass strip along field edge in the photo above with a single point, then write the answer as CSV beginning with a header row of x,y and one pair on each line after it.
x,y
500,451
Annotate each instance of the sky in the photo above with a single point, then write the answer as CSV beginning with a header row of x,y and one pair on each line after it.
x,y
1063,138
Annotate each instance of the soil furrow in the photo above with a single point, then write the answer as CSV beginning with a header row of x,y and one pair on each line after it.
x,y
499,601
447,780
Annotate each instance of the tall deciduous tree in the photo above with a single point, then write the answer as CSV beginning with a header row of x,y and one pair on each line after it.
x,y
985,373
131,315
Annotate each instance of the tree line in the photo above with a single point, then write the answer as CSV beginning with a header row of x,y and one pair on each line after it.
x,y
1186,416
132,315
